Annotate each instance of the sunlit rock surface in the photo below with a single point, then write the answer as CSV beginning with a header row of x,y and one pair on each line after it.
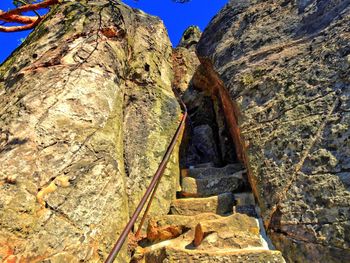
x,y
86,114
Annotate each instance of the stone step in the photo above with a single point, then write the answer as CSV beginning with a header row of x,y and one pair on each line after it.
x,y
207,238
206,231
245,209
183,220
204,165
245,198
235,231
173,254
245,204
212,171
209,186
219,204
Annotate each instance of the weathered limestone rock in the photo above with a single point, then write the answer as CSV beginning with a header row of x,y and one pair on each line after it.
x,y
281,69
206,123
74,97
157,234
206,139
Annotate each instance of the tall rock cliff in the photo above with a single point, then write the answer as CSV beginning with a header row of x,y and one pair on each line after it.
x,y
86,114
282,71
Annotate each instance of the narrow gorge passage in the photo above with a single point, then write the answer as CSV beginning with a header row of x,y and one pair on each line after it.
x,y
208,160
214,217
88,116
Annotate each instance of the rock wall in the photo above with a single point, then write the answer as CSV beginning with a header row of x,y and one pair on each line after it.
x,y
285,67
86,113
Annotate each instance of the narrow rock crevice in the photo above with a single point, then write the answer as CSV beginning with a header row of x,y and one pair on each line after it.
x,y
206,138
206,78
215,203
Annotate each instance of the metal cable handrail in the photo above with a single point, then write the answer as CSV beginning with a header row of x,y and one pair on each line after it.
x,y
150,190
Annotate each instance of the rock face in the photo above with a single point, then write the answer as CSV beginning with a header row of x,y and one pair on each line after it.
x,y
286,66
86,113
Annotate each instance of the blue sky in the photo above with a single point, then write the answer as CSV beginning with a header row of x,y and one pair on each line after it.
x,y
176,17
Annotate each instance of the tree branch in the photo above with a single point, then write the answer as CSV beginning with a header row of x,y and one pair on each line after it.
x,y
29,7
30,22
10,29
19,19
26,3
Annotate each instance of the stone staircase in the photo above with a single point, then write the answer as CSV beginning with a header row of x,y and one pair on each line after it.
x,y
214,219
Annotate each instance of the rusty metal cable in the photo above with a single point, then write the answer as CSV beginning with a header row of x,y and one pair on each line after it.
x,y
151,188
